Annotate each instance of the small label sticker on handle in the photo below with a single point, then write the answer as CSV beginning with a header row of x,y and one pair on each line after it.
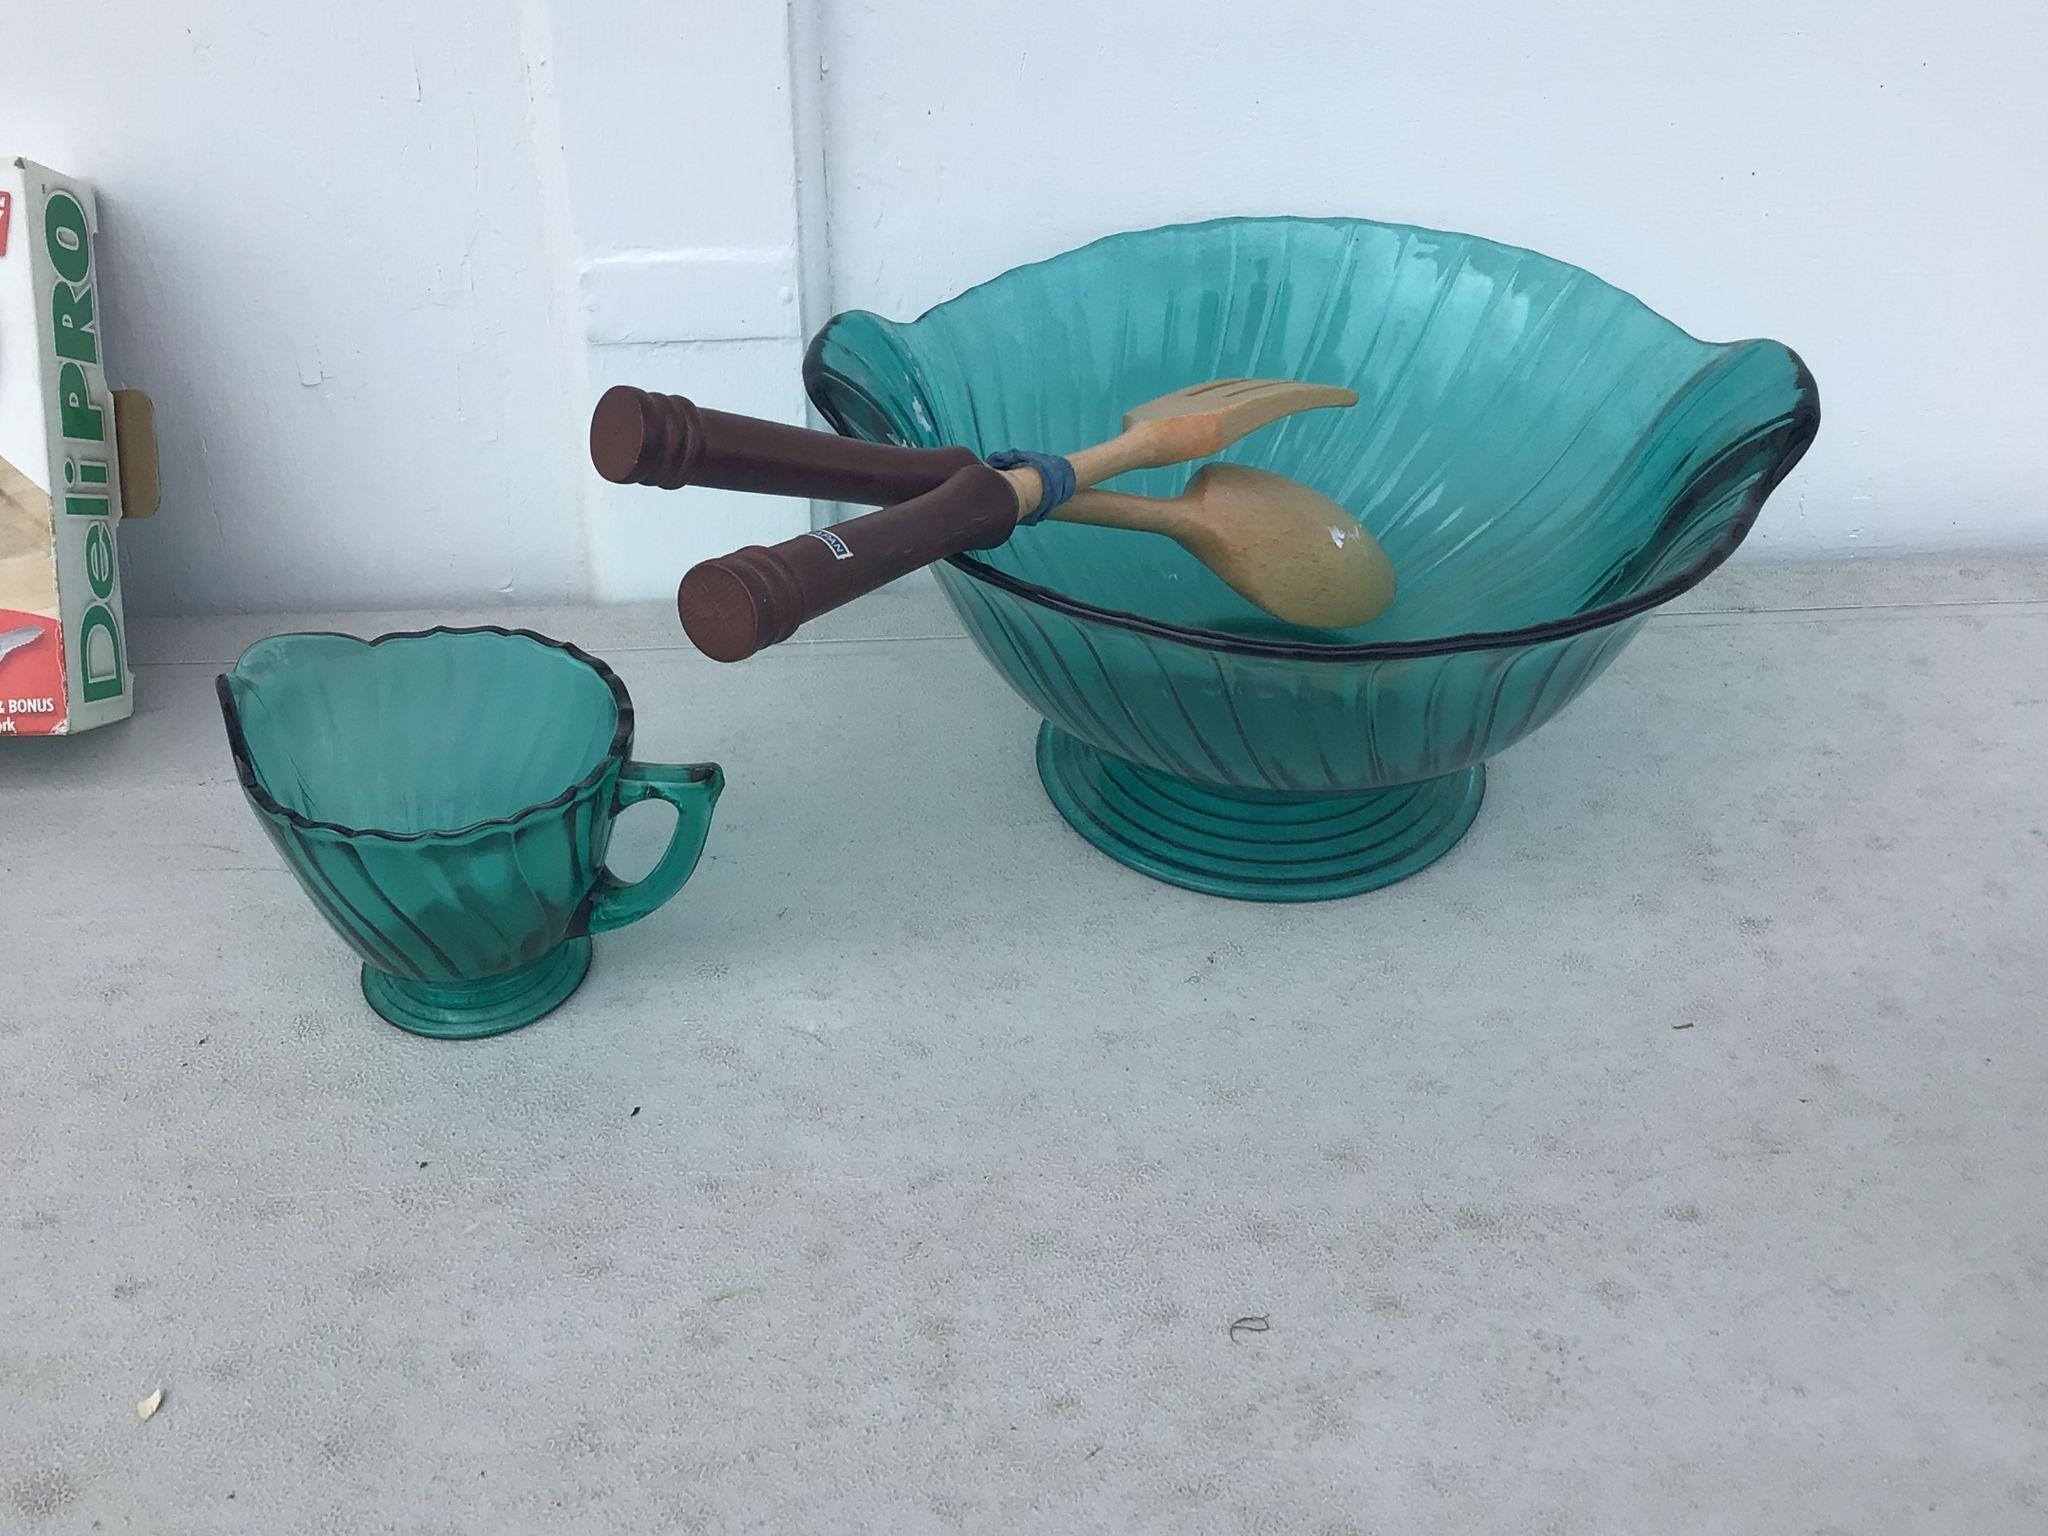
x,y
833,542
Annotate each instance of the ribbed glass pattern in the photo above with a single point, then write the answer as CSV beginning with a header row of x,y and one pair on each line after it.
x,y
1543,458
444,798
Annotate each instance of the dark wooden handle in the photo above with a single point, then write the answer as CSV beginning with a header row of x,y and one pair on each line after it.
x,y
733,606
638,438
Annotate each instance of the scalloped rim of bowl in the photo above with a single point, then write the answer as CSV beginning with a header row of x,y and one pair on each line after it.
x,y
1805,421
245,771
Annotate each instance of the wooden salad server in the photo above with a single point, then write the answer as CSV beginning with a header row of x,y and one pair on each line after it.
x,y
1275,549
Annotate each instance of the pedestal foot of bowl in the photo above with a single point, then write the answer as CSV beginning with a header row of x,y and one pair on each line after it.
x,y
1262,847
489,1007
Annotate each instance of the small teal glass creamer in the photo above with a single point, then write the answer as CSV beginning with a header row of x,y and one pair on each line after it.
x,y
1543,458
446,797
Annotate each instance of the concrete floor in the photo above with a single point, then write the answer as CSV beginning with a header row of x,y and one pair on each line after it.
x,y
1668,1159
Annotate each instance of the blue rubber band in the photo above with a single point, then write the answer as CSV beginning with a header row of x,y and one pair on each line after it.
x,y
1055,474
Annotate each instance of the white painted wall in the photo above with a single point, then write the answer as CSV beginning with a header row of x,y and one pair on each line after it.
x,y
327,259
375,261
680,133
1863,181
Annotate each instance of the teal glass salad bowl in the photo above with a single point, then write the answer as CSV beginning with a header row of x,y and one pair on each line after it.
x,y
1543,458
446,798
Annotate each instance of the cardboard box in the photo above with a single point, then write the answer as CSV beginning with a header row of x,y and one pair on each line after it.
x,y
63,644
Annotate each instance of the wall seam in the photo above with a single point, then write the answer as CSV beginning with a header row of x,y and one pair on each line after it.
x,y
559,252
809,121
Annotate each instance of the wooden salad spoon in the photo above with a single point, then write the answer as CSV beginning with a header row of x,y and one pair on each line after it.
x,y
1280,545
